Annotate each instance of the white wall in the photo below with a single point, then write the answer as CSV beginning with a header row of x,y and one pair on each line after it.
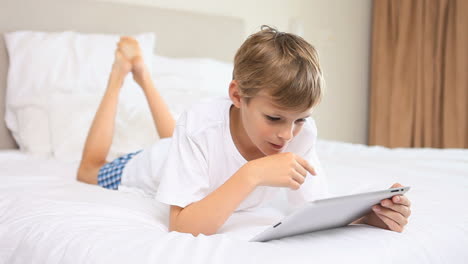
x,y
339,29
341,32
254,13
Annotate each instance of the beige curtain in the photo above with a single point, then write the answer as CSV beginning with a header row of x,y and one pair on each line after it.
x,y
419,74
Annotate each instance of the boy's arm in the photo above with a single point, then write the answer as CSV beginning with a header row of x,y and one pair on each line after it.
x,y
359,221
209,214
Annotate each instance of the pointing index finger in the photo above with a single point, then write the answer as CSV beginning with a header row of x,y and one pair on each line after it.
x,y
306,165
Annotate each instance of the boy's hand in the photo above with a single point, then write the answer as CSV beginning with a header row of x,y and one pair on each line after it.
x,y
279,170
130,49
391,214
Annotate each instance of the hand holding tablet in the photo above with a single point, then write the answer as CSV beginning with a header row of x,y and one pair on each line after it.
x,y
327,213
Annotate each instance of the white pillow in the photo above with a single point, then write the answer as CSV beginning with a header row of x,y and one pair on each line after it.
x,y
185,81
33,120
71,63
71,116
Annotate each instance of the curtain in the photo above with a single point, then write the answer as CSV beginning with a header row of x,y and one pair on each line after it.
x,y
419,74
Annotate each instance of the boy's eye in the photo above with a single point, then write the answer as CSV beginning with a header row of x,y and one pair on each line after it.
x,y
271,118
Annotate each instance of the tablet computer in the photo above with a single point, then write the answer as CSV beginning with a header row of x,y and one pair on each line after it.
x,y
327,213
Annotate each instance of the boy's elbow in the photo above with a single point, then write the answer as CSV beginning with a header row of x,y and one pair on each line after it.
x,y
173,227
187,223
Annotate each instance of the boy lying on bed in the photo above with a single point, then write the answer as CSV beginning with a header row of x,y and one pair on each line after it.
x,y
230,155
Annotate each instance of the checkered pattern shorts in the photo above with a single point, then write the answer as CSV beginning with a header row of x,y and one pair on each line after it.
x,y
110,175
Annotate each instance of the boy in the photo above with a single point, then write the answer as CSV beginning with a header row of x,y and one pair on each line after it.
x,y
233,154
230,155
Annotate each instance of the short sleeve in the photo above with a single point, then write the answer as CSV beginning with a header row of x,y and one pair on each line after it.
x,y
184,177
314,187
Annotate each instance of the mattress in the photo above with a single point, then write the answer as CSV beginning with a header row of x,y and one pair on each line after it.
x,y
48,217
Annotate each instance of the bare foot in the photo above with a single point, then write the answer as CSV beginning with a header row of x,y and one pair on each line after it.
x,y
130,48
121,65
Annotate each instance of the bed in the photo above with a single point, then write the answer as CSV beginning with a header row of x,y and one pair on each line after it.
x,y
46,216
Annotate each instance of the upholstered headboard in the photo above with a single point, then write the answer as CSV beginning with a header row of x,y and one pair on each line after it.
x,y
179,34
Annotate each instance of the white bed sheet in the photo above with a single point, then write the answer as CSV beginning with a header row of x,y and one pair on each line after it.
x,y
48,217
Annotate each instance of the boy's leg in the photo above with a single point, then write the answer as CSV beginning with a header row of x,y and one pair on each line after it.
x,y
101,132
128,58
162,117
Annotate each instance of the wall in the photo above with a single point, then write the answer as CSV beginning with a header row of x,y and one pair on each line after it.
x,y
339,29
341,32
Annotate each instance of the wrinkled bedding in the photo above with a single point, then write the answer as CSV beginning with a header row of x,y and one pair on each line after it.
x,y
48,217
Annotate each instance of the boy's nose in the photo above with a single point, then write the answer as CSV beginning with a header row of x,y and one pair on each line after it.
x,y
286,133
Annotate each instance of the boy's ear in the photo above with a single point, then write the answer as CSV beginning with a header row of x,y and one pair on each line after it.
x,y
234,93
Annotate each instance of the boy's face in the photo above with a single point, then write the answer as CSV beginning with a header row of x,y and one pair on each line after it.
x,y
269,127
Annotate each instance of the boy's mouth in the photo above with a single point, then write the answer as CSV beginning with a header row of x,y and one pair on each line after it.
x,y
277,147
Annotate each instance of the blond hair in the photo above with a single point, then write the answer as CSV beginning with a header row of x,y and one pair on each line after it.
x,y
283,65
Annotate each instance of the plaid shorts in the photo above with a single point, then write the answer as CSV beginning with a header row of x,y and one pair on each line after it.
x,y
110,175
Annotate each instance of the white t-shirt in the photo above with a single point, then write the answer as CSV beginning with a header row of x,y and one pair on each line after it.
x,y
142,171
202,156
